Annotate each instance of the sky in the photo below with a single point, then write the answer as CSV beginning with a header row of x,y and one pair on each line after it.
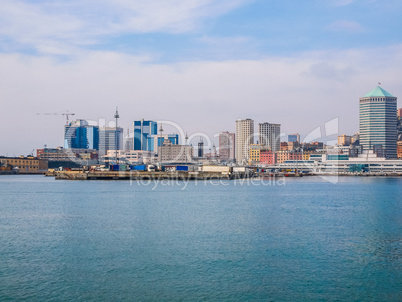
x,y
201,64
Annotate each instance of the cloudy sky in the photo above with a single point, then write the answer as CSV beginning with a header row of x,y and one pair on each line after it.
x,y
199,63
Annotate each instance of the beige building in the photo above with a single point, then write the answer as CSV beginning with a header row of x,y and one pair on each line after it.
x,y
174,153
244,138
227,145
344,140
254,156
24,165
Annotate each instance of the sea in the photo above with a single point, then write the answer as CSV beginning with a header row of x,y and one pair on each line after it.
x,y
285,239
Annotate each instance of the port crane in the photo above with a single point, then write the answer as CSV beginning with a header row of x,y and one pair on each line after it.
x,y
66,114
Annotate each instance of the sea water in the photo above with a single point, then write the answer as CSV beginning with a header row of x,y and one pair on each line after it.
x,y
294,239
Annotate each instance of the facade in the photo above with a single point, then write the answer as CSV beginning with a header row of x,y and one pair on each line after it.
x,y
282,156
155,141
227,145
110,138
174,153
142,129
378,121
344,140
399,149
23,164
80,135
293,138
400,112
244,138
254,156
267,157
269,135
132,157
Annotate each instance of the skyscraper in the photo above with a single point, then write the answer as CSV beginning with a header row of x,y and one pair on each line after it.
x,y
80,135
244,137
269,135
141,131
110,138
377,121
227,145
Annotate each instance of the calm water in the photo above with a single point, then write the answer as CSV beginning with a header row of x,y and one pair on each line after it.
x,y
305,240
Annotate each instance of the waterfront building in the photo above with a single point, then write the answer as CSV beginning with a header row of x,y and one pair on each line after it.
x,y
244,138
227,145
254,156
131,157
80,135
155,141
169,153
110,138
24,165
143,129
400,112
344,140
378,122
269,135
399,149
282,156
267,157
293,138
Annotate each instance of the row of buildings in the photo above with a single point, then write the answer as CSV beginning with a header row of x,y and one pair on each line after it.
x,y
379,130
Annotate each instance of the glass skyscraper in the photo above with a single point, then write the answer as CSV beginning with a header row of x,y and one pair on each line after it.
x,y
378,122
79,135
142,129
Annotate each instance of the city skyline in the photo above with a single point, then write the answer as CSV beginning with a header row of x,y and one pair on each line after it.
x,y
204,67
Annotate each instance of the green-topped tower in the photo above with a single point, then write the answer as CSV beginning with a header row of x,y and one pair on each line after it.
x,y
377,122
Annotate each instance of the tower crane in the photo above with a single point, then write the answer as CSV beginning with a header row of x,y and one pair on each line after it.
x,y
66,114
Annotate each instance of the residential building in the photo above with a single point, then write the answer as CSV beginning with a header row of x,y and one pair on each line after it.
x,y
399,149
254,156
110,138
269,135
400,112
378,121
227,145
344,140
80,135
169,153
267,157
282,156
142,129
244,138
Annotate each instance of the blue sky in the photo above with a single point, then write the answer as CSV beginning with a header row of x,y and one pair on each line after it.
x,y
200,63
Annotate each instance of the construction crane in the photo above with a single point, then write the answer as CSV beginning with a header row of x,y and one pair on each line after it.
x,y
66,114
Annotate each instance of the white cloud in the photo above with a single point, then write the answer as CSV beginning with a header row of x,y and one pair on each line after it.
x,y
63,24
301,93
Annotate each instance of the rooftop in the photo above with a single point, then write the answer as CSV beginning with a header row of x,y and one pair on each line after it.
x,y
378,91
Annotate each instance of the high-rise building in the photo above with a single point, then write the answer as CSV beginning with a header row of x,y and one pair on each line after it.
x,y
293,138
244,137
377,122
142,129
110,138
227,145
80,135
269,135
400,112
